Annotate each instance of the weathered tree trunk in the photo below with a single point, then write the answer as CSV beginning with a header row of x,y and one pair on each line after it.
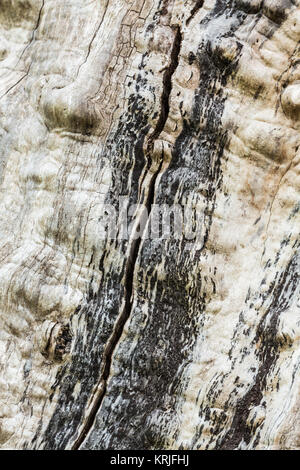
x,y
149,342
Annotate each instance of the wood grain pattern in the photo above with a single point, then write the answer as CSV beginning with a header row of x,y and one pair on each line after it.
x,y
149,342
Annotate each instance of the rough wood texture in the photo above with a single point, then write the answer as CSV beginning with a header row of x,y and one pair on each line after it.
x,y
154,342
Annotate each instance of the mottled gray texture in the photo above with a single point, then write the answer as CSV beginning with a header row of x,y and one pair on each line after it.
x,y
149,343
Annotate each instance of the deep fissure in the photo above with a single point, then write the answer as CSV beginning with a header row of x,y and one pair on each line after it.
x,y
134,249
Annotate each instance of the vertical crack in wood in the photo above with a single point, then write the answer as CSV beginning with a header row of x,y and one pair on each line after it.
x,y
34,31
136,242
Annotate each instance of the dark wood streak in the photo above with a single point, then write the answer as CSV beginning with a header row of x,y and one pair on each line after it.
x,y
268,353
133,253
196,8
91,356
205,169
146,385
99,312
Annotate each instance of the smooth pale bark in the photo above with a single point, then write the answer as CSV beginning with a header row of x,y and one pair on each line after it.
x,y
149,343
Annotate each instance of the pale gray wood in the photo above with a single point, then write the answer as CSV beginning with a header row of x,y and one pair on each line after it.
x,y
149,343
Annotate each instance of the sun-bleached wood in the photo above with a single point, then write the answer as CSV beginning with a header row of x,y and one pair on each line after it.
x,y
149,343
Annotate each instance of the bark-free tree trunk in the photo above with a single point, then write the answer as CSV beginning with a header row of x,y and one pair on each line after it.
x,y
151,340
